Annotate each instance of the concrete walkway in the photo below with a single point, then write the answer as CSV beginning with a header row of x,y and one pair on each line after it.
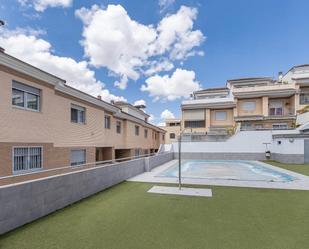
x,y
203,192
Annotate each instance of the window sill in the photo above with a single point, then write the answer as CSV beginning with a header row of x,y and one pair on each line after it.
x,y
26,172
26,109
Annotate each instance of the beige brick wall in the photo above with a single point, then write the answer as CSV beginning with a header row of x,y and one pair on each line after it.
x,y
53,157
52,124
51,127
229,118
257,111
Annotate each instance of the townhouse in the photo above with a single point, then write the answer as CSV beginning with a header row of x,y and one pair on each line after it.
x,y
47,124
248,103
172,128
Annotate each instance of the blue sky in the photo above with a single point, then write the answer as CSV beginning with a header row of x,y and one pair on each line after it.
x,y
228,39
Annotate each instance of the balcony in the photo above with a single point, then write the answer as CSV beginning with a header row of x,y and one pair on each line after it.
x,y
278,90
281,113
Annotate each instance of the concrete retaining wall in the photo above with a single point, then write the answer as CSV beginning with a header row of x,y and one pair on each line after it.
x,y
288,158
24,202
155,161
247,145
283,158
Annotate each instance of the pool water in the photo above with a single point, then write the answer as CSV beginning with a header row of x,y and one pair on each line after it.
x,y
227,170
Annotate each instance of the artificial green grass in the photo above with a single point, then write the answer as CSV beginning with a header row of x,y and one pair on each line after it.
x,y
300,168
127,217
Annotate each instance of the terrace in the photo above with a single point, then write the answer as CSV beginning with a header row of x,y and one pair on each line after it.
x,y
126,216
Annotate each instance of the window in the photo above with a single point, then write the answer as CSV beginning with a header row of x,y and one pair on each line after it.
x,y
77,114
259,126
145,133
275,108
25,96
280,126
107,122
249,106
194,123
136,130
78,157
163,137
27,158
246,126
137,152
118,127
220,116
172,135
304,98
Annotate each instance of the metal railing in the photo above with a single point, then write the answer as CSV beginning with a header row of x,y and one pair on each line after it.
x,y
83,166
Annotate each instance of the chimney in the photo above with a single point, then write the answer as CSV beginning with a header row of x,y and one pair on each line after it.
x,y
99,97
280,76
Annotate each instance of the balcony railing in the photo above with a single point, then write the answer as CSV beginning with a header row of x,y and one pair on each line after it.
x,y
275,112
270,87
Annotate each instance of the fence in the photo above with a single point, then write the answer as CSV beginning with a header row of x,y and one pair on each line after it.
x,y
27,201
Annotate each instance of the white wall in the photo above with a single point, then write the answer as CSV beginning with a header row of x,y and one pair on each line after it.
x,y
302,118
246,142
295,146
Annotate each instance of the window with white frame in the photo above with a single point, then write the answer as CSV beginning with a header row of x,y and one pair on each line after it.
x,y
304,98
78,157
27,158
26,97
137,152
78,114
259,126
249,106
194,123
246,126
107,122
220,115
276,108
280,126
136,130
118,127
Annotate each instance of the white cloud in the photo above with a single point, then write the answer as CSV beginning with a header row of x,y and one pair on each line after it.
x,y
181,84
26,45
164,4
162,124
140,102
151,119
166,114
128,49
114,40
41,5
175,34
123,83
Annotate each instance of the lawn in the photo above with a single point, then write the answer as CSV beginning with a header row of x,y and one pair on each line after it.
x,y
127,217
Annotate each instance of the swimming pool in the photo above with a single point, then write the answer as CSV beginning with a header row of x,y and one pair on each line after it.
x,y
227,170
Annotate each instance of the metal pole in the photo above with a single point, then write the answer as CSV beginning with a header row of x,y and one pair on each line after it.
x,y
179,162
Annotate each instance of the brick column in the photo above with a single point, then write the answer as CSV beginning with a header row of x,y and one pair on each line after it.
x,y
265,106
207,119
